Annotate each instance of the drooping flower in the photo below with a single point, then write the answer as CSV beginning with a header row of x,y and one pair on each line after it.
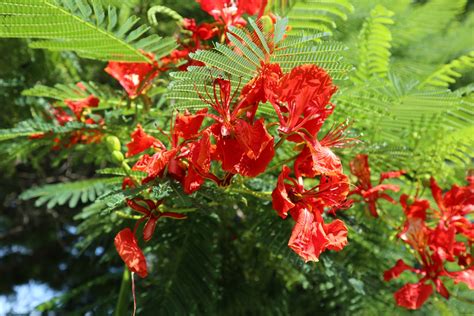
x,y
134,77
311,236
127,247
370,194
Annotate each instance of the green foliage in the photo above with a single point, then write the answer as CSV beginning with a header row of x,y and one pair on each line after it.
x,y
314,15
241,67
33,127
70,192
448,73
421,20
96,33
374,45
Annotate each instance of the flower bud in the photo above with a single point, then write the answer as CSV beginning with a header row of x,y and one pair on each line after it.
x,y
117,157
113,143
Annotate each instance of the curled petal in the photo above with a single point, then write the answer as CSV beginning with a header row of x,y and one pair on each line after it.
x,y
360,168
141,141
280,199
308,238
413,296
149,228
396,270
127,247
133,77
78,106
336,233
391,174
187,125
437,193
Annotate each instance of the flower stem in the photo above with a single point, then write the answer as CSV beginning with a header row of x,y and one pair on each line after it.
x,y
124,294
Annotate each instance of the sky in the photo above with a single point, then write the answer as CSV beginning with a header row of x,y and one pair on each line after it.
x,y
26,298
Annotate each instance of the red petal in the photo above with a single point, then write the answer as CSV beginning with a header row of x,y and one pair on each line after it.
x,y
254,138
306,91
252,7
132,76
149,228
246,156
308,238
415,210
192,181
263,88
441,289
78,106
141,141
333,190
465,276
201,153
315,160
187,125
396,270
336,233
131,254
280,200
360,168
437,193
154,165
391,174
413,296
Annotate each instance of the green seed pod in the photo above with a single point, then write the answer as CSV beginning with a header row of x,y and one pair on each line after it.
x,y
267,23
117,157
113,143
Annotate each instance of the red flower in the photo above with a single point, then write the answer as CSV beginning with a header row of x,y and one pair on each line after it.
x,y
133,77
304,100
131,254
243,147
317,158
150,212
370,194
229,12
311,236
61,116
263,88
454,206
78,106
141,141
201,32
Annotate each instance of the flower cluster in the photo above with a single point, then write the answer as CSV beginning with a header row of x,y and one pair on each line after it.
x,y
438,235
229,139
78,110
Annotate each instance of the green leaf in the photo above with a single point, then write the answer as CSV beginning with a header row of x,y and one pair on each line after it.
x,y
77,26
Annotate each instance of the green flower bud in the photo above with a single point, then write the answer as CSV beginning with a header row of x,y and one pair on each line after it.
x,y
113,143
117,157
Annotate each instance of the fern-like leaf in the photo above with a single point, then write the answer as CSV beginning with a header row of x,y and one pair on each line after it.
x,y
449,73
374,45
314,15
82,26
71,193
250,48
34,126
